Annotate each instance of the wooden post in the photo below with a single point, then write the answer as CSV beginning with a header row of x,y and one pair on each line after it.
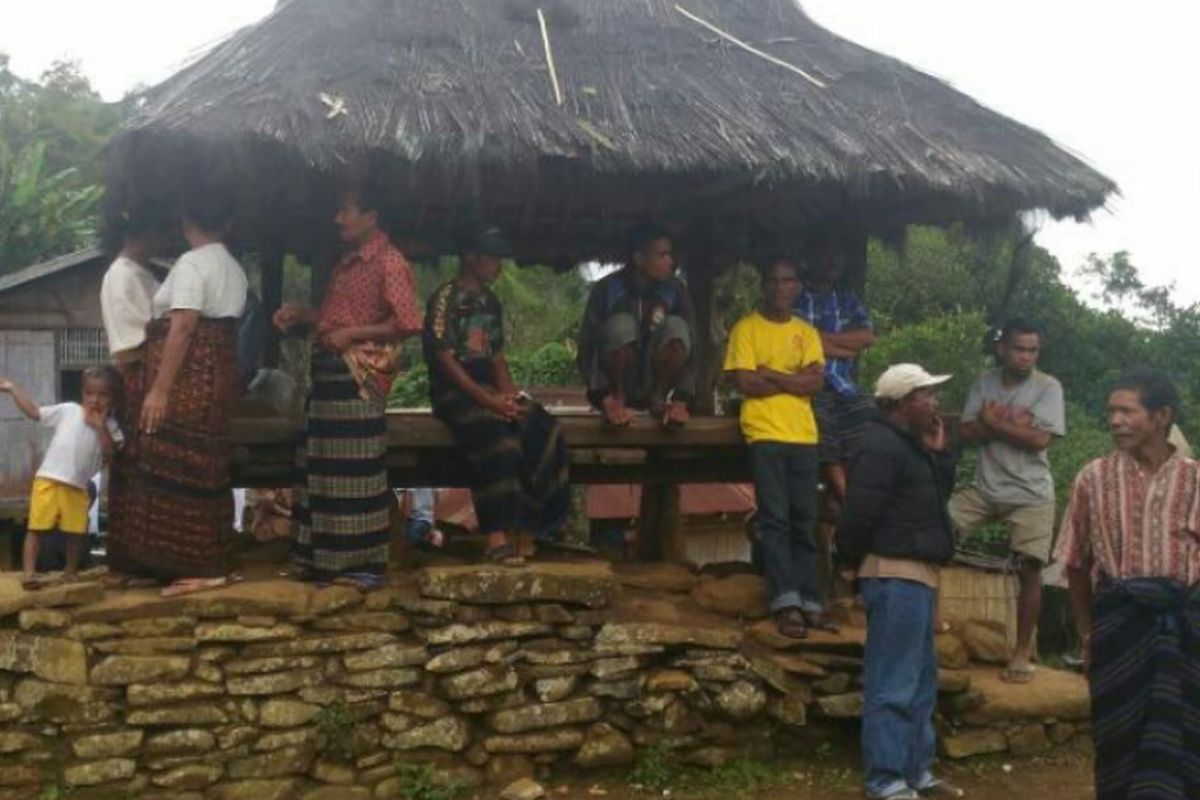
x,y
660,528
701,269
272,299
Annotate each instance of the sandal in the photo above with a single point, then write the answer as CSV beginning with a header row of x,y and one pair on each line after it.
x,y
184,586
363,581
821,621
1018,673
789,622
504,555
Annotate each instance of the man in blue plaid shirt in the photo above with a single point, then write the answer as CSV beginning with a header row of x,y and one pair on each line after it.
x,y
845,327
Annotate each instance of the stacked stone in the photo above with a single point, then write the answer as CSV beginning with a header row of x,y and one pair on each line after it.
x,y
273,689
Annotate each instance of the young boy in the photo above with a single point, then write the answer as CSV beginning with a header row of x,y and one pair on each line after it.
x,y
777,363
85,438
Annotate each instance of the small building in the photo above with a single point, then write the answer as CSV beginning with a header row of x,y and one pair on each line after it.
x,y
50,332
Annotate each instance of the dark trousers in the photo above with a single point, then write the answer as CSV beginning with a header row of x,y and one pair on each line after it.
x,y
785,484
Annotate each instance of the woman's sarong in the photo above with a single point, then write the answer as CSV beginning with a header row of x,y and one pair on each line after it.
x,y
120,471
178,503
342,501
1145,690
519,479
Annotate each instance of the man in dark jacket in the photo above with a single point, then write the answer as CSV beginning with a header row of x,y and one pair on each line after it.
x,y
894,532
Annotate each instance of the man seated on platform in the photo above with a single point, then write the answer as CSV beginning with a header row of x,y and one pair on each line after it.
x,y
1130,544
635,344
775,359
893,535
841,409
514,447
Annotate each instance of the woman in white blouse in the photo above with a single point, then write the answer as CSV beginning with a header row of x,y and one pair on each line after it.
x,y
126,299
178,525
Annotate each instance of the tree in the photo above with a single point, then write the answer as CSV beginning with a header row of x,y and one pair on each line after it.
x,y
52,137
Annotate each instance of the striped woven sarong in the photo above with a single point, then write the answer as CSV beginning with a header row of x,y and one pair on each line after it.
x,y
120,471
173,487
342,500
519,478
1145,690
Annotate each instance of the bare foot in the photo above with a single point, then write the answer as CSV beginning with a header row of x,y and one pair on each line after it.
x,y
30,582
675,415
615,413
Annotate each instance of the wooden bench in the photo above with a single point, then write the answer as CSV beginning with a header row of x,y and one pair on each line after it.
x,y
421,451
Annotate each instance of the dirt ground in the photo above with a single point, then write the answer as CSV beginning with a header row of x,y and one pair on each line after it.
x,y
1064,775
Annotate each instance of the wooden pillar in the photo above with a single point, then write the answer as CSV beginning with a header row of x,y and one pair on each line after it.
x,y
854,255
701,266
660,524
272,299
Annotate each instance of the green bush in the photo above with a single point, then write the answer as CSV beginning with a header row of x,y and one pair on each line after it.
x,y
942,343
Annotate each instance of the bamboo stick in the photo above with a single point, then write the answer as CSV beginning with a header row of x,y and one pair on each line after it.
x,y
745,46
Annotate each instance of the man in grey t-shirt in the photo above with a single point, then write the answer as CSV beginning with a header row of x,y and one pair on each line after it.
x,y
1013,414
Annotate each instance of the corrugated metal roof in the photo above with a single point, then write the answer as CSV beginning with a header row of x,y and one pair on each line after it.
x,y
49,268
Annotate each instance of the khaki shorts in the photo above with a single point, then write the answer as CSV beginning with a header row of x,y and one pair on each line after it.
x,y
1030,528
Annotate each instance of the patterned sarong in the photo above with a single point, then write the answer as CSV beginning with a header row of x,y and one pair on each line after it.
x,y
519,469
342,499
177,505
1145,690
120,471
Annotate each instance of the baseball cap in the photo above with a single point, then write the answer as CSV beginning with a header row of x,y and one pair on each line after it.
x,y
900,380
488,240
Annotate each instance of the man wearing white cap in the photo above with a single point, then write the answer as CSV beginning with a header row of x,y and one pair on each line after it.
x,y
895,531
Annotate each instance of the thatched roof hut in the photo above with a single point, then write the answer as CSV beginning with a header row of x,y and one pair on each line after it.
x,y
564,120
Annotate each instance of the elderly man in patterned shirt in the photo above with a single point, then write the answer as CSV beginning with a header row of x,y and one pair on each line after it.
x,y
1130,543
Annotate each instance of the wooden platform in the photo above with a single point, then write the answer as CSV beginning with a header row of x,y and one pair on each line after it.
x,y
421,451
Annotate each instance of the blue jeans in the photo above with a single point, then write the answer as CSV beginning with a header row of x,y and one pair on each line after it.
x,y
785,485
898,740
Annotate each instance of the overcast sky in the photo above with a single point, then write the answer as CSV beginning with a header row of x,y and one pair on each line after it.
x,y
1106,80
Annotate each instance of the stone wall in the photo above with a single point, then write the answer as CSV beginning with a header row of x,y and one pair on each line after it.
x,y
274,689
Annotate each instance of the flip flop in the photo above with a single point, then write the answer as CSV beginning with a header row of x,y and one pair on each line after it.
x,y
363,581
1018,673
821,622
504,555
789,622
192,585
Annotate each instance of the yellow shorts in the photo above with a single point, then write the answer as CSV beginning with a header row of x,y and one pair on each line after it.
x,y
58,506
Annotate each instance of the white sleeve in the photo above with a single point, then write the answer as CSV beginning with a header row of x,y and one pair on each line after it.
x,y
187,286
49,416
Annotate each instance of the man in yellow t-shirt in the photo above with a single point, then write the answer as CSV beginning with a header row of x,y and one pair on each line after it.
x,y
777,363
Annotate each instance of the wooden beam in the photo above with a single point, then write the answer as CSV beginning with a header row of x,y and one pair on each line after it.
x,y
272,299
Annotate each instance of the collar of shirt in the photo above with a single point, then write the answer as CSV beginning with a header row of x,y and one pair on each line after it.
x,y
367,252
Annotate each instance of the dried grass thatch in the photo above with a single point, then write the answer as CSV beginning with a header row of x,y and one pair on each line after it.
x,y
660,115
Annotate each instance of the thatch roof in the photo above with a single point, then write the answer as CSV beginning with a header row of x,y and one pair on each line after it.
x,y
660,114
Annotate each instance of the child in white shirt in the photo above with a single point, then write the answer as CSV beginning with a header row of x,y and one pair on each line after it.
x,y
85,438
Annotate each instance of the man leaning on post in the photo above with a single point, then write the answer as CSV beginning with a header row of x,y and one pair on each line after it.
x,y
894,533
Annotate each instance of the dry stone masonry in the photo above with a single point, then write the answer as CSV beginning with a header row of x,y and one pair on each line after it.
x,y
274,689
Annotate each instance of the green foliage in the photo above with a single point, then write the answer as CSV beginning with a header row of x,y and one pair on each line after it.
x,y
422,782
654,768
338,736
52,136
949,343
41,214
550,365
743,777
